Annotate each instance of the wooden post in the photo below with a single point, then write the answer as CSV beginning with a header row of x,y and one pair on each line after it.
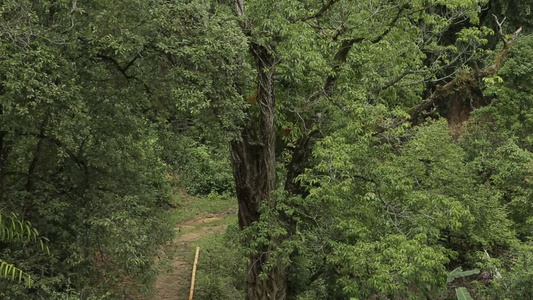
x,y
194,272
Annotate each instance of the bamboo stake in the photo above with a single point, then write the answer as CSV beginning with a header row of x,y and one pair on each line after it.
x,y
194,272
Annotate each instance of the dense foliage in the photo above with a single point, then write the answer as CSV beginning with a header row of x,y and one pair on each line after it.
x,y
373,147
97,111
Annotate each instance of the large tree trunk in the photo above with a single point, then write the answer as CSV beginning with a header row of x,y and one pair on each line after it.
x,y
254,169
253,161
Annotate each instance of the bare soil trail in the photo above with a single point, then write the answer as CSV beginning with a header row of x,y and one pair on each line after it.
x,y
174,284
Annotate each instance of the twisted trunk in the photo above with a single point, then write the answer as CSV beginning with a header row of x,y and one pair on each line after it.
x,y
254,170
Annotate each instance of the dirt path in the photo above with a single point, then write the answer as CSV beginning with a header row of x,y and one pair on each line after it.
x,y
175,284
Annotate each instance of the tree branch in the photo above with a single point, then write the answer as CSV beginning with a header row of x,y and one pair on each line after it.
x,y
239,7
463,80
117,64
344,50
325,8
124,69
301,153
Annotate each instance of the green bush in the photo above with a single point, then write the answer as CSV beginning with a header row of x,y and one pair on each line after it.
x,y
511,275
221,267
203,170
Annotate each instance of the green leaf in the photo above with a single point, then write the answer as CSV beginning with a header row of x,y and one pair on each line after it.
x,y
459,273
462,294
10,272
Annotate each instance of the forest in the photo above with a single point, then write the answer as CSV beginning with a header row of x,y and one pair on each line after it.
x,y
372,149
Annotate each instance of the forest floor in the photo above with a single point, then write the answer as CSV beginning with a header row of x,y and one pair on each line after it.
x,y
209,217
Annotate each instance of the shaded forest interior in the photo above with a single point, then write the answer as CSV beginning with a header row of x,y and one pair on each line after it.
x,y
365,149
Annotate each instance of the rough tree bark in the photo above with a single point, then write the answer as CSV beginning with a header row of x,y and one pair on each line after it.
x,y
254,162
254,159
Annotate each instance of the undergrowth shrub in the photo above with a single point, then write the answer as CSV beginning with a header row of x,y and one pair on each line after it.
x,y
221,267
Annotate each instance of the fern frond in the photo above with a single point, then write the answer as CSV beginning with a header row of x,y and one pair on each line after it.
x,y
12,229
10,272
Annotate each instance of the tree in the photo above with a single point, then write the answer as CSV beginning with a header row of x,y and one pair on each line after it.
x,y
316,63
94,97
100,102
391,221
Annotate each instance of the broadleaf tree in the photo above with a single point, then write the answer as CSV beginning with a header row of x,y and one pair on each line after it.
x,y
96,100
319,63
348,180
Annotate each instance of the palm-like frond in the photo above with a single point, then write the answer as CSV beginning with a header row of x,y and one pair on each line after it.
x,y
9,271
12,229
